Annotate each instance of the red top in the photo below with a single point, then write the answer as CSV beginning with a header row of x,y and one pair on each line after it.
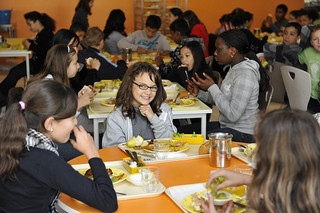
x,y
200,31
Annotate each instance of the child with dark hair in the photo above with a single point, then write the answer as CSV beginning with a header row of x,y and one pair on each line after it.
x,y
307,17
148,40
32,173
174,14
83,9
44,26
244,22
114,31
288,51
179,31
294,16
139,108
107,70
192,63
281,21
80,31
197,28
237,98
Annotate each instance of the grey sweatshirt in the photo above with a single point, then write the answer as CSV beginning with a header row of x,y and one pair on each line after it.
x,y
237,100
139,38
119,128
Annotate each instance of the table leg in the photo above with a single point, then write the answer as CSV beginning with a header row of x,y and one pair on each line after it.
x,y
28,67
204,125
96,132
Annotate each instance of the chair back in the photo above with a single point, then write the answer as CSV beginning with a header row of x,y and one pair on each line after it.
x,y
209,60
265,99
298,86
276,82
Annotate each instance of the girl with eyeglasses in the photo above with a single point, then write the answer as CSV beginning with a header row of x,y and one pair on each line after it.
x,y
139,108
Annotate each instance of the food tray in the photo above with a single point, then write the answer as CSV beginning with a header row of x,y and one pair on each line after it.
x,y
177,193
188,138
131,191
191,153
236,152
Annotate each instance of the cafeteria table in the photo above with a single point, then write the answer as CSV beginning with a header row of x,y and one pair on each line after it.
x,y
7,52
171,174
199,110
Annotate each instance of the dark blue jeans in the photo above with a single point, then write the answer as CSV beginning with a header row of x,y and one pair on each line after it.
x,y
237,136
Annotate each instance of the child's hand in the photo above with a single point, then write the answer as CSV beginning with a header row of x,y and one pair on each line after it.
x,y
146,111
158,60
26,44
262,59
209,207
93,63
85,97
84,143
192,88
203,84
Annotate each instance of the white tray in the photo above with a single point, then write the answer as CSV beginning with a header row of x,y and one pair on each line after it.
x,y
235,151
131,191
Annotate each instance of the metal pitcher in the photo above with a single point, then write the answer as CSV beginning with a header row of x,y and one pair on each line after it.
x,y
220,149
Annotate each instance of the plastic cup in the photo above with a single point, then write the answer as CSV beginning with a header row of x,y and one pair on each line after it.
x,y
161,149
150,179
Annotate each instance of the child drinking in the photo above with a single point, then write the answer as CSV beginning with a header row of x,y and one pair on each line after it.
x,y
193,61
311,57
139,108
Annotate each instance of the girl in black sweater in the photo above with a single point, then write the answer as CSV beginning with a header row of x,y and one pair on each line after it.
x,y
31,170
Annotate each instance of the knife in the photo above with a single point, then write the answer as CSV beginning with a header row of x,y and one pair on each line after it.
x,y
242,146
130,155
240,205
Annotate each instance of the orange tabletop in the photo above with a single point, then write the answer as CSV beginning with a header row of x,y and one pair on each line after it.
x,y
172,174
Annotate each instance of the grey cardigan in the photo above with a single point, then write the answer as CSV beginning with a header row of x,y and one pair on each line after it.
x,y
237,100
119,128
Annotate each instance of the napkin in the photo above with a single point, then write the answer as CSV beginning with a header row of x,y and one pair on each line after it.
x,y
179,193
171,87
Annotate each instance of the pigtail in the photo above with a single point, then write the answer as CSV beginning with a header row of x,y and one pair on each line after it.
x,y
47,22
13,128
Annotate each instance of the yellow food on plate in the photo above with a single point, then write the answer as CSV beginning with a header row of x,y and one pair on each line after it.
x,y
175,145
180,102
116,175
108,102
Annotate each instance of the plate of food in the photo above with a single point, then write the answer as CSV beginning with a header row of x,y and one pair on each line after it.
x,y
180,102
116,175
192,203
108,102
175,146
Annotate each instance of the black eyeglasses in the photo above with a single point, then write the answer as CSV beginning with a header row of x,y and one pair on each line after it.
x,y
145,87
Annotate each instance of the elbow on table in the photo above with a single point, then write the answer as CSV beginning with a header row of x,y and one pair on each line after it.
x,y
109,206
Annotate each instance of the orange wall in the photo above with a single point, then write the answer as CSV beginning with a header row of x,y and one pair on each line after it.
x,y
208,11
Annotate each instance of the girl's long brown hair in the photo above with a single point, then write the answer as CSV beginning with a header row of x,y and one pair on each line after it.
x,y
57,62
42,99
125,97
287,177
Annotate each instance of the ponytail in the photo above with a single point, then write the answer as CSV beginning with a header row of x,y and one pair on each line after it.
x,y
13,129
44,19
